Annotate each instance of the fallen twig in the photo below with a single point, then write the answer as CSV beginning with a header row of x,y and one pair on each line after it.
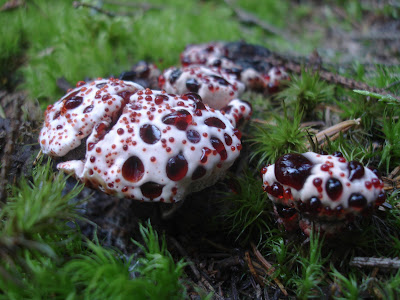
x,y
372,262
269,268
333,132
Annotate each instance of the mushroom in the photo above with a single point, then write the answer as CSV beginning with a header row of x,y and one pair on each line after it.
x,y
72,118
324,189
160,148
216,54
216,87
144,73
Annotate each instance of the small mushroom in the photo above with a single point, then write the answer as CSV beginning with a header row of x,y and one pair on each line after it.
x,y
160,148
324,189
72,118
216,87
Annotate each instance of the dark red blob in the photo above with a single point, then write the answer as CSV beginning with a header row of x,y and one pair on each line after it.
x,y
151,189
357,201
56,115
219,146
237,133
220,80
199,105
192,85
215,122
73,94
226,109
120,131
338,154
100,85
276,190
315,205
334,188
292,170
204,153
285,212
177,167
73,102
101,130
193,136
160,99
126,95
228,139
133,169
381,198
90,146
181,119
88,109
175,74
199,172
356,170
317,182
192,96
150,134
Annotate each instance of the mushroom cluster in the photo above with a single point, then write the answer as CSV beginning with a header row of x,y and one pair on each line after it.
x,y
143,144
216,87
325,190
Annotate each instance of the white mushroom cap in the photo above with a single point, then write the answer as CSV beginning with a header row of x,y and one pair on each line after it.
x,y
161,148
324,187
73,117
216,87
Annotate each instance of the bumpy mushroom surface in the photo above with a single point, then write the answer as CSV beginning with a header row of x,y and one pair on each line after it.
x,y
325,189
162,147
216,87
73,117
255,76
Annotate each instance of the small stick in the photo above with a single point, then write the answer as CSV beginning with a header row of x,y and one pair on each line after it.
x,y
251,268
372,262
334,130
270,269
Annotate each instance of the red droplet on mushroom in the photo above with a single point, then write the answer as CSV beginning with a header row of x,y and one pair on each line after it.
x,y
276,190
151,189
181,119
220,80
204,153
160,99
125,95
88,109
174,76
357,201
215,122
120,131
100,85
381,198
334,188
133,169
193,136
315,205
193,96
192,85
285,211
177,167
73,102
356,170
228,139
292,170
101,130
199,172
237,133
219,146
149,133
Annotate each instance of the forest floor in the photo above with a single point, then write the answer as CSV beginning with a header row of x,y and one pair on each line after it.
x,y
227,233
